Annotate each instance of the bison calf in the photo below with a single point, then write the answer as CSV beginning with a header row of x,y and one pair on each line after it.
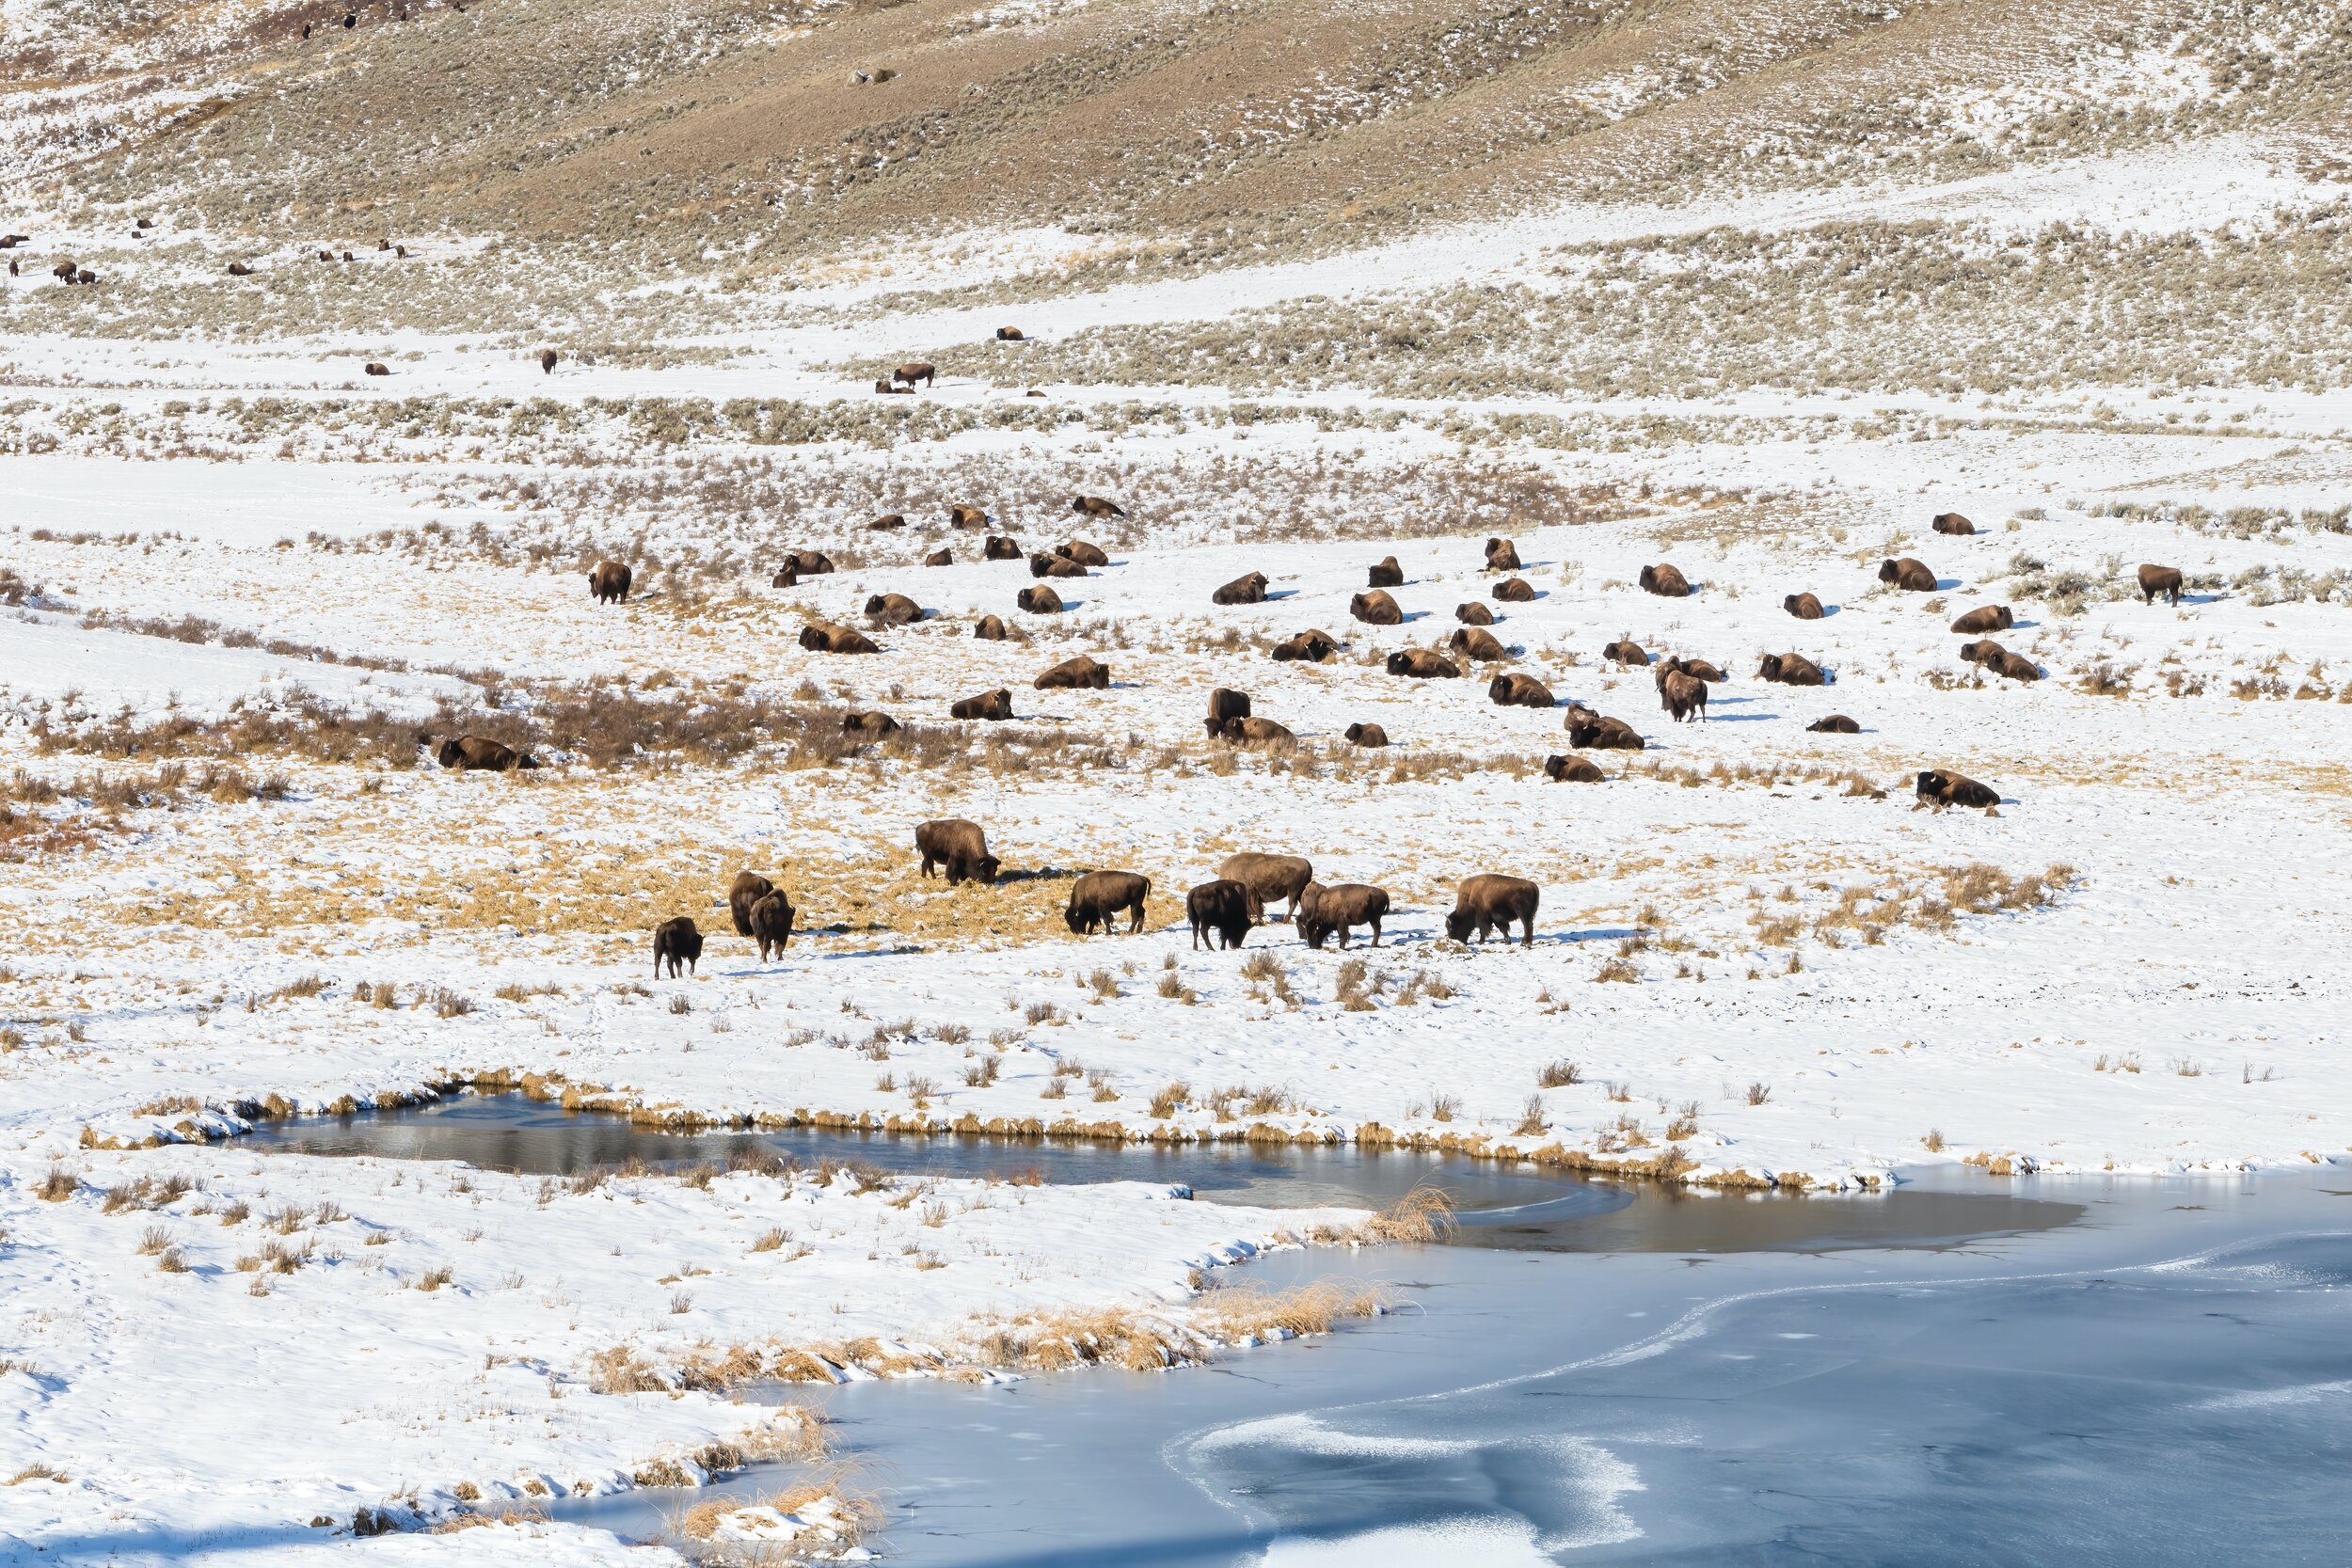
x,y
1490,902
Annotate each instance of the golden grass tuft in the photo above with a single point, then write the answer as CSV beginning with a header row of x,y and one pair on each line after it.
x,y
1423,1214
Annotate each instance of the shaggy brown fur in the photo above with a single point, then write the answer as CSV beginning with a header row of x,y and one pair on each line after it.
x,y
1082,553
1225,703
1095,506
608,583
1515,591
1038,599
473,753
1599,733
940,558
991,628
1223,908
893,609
1952,522
1625,651
1682,695
1560,769
1422,664
1325,911
812,563
2015,667
1985,651
1804,607
961,516
1665,581
1055,566
1002,547
1472,614
994,705
1912,577
1312,646
1255,731
2160,579
1478,643
1075,672
1515,690
1270,878
748,888
772,925
823,637
958,847
1503,556
547,357
1375,609
1097,898
1010,335
1790,669
910,374
676,941
872,723
1984,618
1834,724
1386,573
1367,734
1247,589
1491,902
1940,787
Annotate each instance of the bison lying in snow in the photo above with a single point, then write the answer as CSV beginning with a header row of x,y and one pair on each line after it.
x,y
893,609
1515,591
1224,908
1010,335
872,723
958,847
1985,651
1593,732
1834,724
823,637
1665,581
888,522
991,628
772,925
1625,651
1984,618
1325,911
1097,898
962,516
1312,647
1095,506
1255,731
608,583
2160,579
1952,522
1038,599
1375,609
1910,576
376,367
1681,695
1422,664
1503,556
1042,565
1478,645
1516,690
942,556
1001,546
996,704
1075,672
1490,902
473,753
749,888
1472,613
1386,573
2015,667
1247,589
1225,703
1804,607
1940,787
1560,769
1269,877
676,941
1789,670
1082,553
1367,734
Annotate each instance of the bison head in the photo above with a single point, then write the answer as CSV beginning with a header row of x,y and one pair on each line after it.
x,y
1459,923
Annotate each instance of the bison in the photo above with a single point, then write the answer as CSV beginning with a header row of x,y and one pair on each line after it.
x,y
1323,912
748,888
608,583
547,357
1503,556
1367,734
823,637
676,941
1515,591
1097,898
377,367
1225,703
1477,644
1834,723
1010,335
1095,506
1255,731
1625,651
812,563
1952,522
236,269
1665,581
772,925
473,753
888,522
2015,667
1490,902
1386,573
1375,609
893,609
1804,607
2160,579
1596,732
940,558
1983,651
1984,618
1082,553
1560,769
994,705
1268,878
1312,647
991,628
1248,589
1422,664
958,848
873,721
787,576
1789,670
1515,690
1038,599
1223,908
1940,787
1910,576
910,374
1472,613
1681,695
1002,547
1698,668
961,516
1042,565
1073,673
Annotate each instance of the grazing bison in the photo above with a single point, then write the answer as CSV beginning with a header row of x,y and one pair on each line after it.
x,y
1503,556
1790,669
1593,733
1097,898
1681,695
1985,651
608,583
772,925
1095,506
1952,522
1804,607
2015,667
823,637
1312,646
961,516
1325,911
547,357
1940,787
377,367
1223,908
1910,576
1665,581
473,753
1984,618
958,848
1002,547
991,628
888,522
1055,566
1225,703
1255,731
1008,335
1269,877
1560,769
1038,599
893,609
1248,589
1625,651
910,374
1073,673
748,888
1834,724
1386,573
1084,553
1477,644
940,558
1422,664
1515,690
1490,902
1472,614
994,705
873,721
2160,579
676,941
1515,591
1367,734
1375,609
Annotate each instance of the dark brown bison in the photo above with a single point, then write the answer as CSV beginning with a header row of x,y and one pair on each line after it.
x,y
1503,556
872,723
1789,670
1490,902
676,941
1225,703
893,609
1375,609
1075,672
1625,651
1001,546
1682,695
991,628
547,357
888,522
1038,599
748,888
1665,581
1422,664
1912,577
1010,335
994,705
377,367
910,374
1084,553
1804,607
1478,645
1095,506
1940,787
236,269
1223,908
2160,579
1097,898
473,753
1312,646
1270,878
812,563
608,583
1515,591
1515,690
1367,734
1698,668
1248,589
787,576
2015,667
1472,614
1834,724
1984,618
1386,573
1985,651
1325,911
1560,769
958,847
940,558
1042,565
772,925
961,516
1952,522
883,386
1595,732
823,637
1255,731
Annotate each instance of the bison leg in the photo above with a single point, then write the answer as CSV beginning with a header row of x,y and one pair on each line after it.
x,y
1527,931
1375,933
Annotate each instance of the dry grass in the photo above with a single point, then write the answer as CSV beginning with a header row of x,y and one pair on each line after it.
x,y
1421,1215
1559,1074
